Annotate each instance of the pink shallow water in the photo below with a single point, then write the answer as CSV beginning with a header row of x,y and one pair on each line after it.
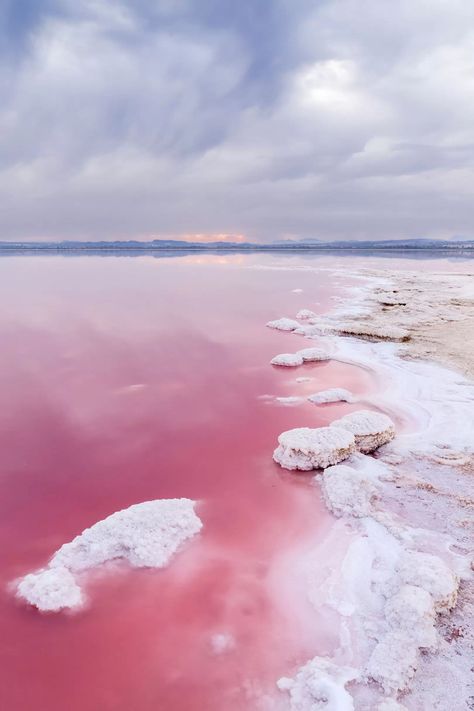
x,y
124,380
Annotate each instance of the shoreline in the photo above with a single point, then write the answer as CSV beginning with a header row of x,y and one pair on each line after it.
x,y
391,326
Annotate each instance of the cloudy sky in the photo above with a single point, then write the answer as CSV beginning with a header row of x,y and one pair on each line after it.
x,y
268,119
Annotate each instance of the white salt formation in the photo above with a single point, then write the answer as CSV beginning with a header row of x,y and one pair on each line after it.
x,y
319,684
426,586
412,610
331,395
370,429
304,448
394,661
311,355
432,574
306,355
50,590
347,492
288,360
145,535
305,314
284,324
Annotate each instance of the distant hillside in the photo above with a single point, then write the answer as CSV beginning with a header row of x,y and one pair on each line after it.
x,y
181,245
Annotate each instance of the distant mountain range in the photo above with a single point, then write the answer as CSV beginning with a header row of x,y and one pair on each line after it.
x,y
285,245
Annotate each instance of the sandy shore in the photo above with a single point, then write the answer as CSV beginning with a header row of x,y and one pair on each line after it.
x,y
436,311
416,332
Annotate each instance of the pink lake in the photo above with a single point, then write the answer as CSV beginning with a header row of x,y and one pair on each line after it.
x,y
130,379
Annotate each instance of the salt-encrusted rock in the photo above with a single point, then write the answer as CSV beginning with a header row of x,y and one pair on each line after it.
x,y
145,535
372,331
320,684
305,314
347,492
284,324
50,590
412,610
289,360
331,395
390,705
304,448
313,354
370,429
432,574
393,662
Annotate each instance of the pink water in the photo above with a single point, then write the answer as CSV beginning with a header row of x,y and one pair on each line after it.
x,y
129,379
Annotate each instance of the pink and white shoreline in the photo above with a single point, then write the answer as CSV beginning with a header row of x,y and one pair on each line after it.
x,y
398,567
267,575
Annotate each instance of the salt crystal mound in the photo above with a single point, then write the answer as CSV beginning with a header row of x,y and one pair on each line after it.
x,y
319,684
394,661
432,574
146,535
284,324
412,610
50,590
428,586
313,355
370,429
347,492
305,449
288,360
331,395
305,314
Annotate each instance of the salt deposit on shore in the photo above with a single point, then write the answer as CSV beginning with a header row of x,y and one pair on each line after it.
x,y
144,535
284,324
287,360
404,587
305,449
331,395
306,355
370,429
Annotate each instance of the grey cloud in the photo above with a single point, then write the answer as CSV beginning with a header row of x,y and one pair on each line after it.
x,y
330,119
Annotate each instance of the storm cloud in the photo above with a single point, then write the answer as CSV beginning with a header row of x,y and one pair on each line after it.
x,y
327,119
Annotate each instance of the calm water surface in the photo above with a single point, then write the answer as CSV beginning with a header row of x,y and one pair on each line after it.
x,y
129,379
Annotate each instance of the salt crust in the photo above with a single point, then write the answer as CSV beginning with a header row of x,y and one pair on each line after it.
x,y
372,331
331,395
313,354
412,610
51,590
288,360
319,684
432,574
284,324
307,355
305,314
304,448
394,661
145,535
370,429
347,492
